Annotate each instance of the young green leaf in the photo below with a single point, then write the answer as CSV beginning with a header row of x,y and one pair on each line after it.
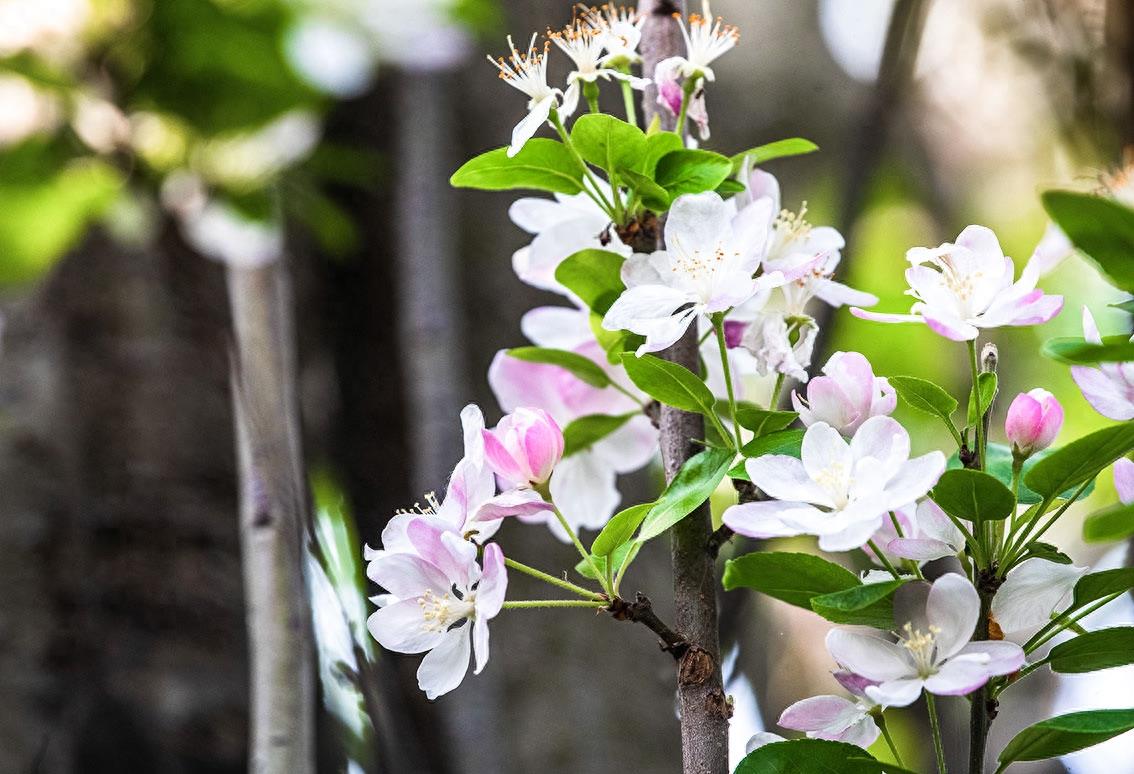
x,y
926,396
1077,351
998,462
584,432
814,756
986,389
581,368
1100,649
792,578
1113,523
652,195
688,171
542,164
1101,228
1080,461
1098,585
761,421
620,529
697,479
973,495
867,605
614,343
608,143
789,442
669,383
595,276
793,146
658,144
623,555
1066,734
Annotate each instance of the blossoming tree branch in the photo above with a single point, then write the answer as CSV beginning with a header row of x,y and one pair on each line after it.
x,y
652,241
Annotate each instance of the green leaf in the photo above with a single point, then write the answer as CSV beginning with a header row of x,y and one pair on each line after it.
x,y
614,343
1095,650
623,555
1101,228
669,383
608,143
925,396
1039,550
688,171
787,442
652,195
1081,460
998,462
1113,523
793,146
986,389
542,164
1098,585
761,421
586,431
692,485
620,529
730,187
813,756
1126,306
582,368
659,144
594,275
867,605
789,577
1066,734
1077,351
973,495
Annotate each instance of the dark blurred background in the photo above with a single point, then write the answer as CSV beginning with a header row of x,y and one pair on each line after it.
x,y
330,127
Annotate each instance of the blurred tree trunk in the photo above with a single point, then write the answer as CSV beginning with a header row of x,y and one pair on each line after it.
x,y
124,648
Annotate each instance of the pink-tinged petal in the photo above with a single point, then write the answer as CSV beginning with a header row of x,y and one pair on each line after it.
x,y
784,478
958,677
1052,249
444,667
952,328
407,575
447,550
394,539
920,549
933,523
669,88
871,657
480,644
914,479
1022,422
1110,398
761,739
826,402
982,241
1038,310
1031,593
767,519
1090,330
1124,480
501,460
493,583
514,502
954,608
885,317
401,628
558,327
856,684
541,443
896,693
583,488
883,439
998,657
734,332
629,448
819,713
862,733
852,535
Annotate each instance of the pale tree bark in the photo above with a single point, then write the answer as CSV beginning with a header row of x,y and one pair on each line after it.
x,y
273,521
702,704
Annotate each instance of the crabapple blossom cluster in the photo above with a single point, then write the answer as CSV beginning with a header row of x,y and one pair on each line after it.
x,y
648,241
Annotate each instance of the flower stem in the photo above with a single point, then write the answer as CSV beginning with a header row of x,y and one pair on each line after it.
x,y
528,604
935,725
687,89
880,721
718,326
974,363
628,99
775,399
591,94
558,582
583,552
882,558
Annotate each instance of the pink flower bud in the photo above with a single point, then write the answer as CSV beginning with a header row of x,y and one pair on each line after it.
x,y
1033,421
524,447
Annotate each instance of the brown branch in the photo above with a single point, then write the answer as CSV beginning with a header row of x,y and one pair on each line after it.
x,y
641,611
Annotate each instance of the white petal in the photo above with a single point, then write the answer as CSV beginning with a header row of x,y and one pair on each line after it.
x,y
783,478
953,607
400,627
444,667
896,693
871,657
530,124
1031,593
582,487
